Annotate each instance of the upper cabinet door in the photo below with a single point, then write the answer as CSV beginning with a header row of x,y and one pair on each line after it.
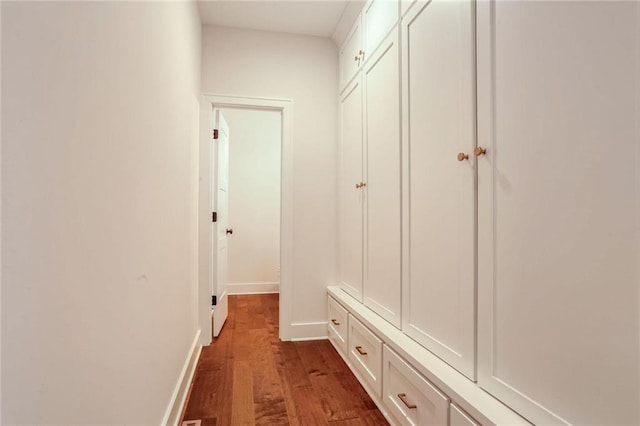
x,y
378,18
439,192
383,274
558,209
351,54
351,192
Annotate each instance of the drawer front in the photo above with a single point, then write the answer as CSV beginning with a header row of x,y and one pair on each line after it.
x,y
460,418
337,325
410,398
365,354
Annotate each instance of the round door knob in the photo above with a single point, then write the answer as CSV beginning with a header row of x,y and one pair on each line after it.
x,y
479,151
229,231
462,156
362,184
357,58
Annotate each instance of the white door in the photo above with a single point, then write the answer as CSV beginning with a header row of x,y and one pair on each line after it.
x,y
558,208
439,134
382,236
351,193
221,229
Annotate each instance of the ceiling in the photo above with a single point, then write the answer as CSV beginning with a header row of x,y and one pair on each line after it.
x,y
317,18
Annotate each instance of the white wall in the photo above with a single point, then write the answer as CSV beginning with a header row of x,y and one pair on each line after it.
x,y
99,154
254,197
304,69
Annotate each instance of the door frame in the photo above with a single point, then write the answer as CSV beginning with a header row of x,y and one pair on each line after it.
x,y
207,256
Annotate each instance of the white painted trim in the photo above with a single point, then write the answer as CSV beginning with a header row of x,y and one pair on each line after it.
x,y
302,331
180,392
253,288
285,106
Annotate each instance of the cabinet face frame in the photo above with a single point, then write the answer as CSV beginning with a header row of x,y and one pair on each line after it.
x,y
346,188
462,357
388,307
458,417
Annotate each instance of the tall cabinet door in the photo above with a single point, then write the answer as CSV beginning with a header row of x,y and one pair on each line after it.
x,y
557,208
439,138
351,192
383,275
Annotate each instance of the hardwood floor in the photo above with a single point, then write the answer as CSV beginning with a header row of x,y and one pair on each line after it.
x,y
247,376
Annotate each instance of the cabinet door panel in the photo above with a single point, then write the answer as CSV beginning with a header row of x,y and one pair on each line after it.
x,y
379,17
439,120
383,208
351,205
558,260
349,52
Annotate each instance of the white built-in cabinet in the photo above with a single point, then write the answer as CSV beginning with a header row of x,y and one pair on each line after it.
x,y
351,54
439,138
490,196
370,182
351,193
382,236
377,19
558,209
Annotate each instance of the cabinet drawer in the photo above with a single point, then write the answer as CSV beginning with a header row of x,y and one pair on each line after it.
x,y
410,398
365,354
459,418
337,326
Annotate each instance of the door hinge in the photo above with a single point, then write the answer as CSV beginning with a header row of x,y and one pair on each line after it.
x,y
214,217
215,133
214,300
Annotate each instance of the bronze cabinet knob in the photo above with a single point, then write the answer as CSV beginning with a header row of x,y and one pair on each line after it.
x,y
479,151
462,156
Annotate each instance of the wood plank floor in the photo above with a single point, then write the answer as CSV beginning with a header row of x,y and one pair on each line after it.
x,y
247,376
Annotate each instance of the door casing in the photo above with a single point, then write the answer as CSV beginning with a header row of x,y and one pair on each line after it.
x,y
207,256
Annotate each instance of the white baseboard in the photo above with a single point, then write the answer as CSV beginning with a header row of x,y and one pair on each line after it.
x,y
179,396
308,331
253,288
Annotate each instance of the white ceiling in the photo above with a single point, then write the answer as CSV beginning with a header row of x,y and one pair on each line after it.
x,y
317,18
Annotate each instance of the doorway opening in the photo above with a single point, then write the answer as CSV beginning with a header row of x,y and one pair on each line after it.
x,y
245,206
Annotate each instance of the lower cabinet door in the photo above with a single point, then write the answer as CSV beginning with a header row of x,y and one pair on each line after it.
x,y
459,418
409,397
337,326
365,354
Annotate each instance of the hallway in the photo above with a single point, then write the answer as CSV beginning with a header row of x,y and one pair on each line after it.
x,y
247,376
